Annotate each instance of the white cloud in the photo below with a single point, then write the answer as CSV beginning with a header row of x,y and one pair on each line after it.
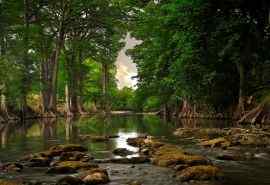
x,y
126,69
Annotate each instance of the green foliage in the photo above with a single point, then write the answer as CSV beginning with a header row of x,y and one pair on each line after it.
x,y
31,32
193,50
123,99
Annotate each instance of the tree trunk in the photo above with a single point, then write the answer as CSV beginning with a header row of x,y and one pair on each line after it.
x,y
241,98
25,81
80,85
69,112
55,66
73,70
105,80
3,108
49,75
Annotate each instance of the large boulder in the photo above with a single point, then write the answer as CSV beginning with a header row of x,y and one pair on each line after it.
x,y
201,172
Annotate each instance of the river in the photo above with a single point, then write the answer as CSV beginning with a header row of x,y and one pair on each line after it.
x,y
33,136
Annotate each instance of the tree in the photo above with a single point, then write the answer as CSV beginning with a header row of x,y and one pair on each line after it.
x,y
201,55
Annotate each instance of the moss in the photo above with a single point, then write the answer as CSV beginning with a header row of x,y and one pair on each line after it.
x,y
77,165
170,155
217,142
71,167
202,172
68,148
75,156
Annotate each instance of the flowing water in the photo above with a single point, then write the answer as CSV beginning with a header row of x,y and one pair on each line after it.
x,y
17,140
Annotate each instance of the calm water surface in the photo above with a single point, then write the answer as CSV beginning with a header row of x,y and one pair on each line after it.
x,y
17,140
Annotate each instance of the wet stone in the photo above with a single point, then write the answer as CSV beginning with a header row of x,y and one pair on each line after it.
x,y
122,152
201,172
95,176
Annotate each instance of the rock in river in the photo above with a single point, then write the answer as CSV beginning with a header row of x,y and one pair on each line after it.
x,y
95,176
11,167
75,156
171,155
71,167
217,142
122,152
68,148
201,172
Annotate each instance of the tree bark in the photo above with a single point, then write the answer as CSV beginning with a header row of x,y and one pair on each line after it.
x,y
241,98
69,112
55,64
3,108
49,70
105,81
25,81
80,85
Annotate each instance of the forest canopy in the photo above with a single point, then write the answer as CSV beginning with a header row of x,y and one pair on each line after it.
x,y
195,57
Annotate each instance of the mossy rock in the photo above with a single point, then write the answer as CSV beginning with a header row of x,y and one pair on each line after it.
x,y
69,148
201,172
122,152
71,167
75,156
51,153
171,155
136,142
217,142
152,143
200,133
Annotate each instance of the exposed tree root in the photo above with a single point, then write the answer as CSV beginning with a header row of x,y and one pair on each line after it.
x,y
259,114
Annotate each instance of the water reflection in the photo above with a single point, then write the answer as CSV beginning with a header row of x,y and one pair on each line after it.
x,y
18,139
205,123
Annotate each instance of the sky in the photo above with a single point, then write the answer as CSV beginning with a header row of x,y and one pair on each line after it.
x,y
126,69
